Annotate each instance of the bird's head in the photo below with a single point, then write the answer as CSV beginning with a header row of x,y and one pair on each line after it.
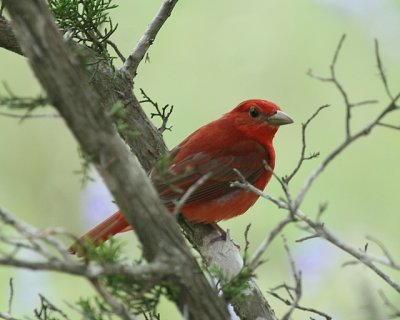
x,y
258,118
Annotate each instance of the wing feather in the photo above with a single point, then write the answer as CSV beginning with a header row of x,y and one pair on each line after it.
x,y
246,156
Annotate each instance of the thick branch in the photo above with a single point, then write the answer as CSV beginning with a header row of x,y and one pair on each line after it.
x,y
225,256
68,89
7,37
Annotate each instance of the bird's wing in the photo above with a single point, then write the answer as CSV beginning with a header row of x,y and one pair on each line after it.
x,y
246,156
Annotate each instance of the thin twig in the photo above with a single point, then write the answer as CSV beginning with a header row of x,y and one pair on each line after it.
x,y
11,295
360,255
118,308
303,139
267,241
164,113
395,310
29,116
322,231
47,305
247,244
313,236
295,292
382,71
6,316
117,51
392,262
388,125
189,192
297,280
338,150
289,303
340,87
364,103
132,62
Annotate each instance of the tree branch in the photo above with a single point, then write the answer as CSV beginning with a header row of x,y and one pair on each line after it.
x,y
132,62
7,37
69,91
225,256
118,308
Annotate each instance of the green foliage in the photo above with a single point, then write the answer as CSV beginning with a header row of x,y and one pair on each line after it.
x,y
94,308
86,22
104,252
23,103
14,102
234,289
138,297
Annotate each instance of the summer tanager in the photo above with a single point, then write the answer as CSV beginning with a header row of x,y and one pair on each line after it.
x,y
241,139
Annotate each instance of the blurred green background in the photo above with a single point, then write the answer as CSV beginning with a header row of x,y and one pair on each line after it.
x,y
209,56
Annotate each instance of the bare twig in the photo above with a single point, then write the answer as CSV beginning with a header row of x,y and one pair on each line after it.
x,y
322,231
395,311
46,305
267,241
297,280
247,244
164,113
360,255
332,78
132,62
6,316
387,125
116,49
345,144
382,71
307,309
11,295
385,251
189,192
295,292
246,185
303,149
29,116
364,103
118,308
313,236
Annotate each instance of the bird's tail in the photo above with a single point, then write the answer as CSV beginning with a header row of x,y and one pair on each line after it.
x,y
103,231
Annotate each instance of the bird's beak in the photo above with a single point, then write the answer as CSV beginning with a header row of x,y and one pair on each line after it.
x,y
279,118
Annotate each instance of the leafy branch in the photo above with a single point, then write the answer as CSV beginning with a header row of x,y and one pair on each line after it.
x,y
86,22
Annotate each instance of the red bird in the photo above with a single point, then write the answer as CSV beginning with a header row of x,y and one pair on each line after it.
x,y
240,139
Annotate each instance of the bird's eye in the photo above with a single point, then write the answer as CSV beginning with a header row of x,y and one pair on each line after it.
x,y
254,113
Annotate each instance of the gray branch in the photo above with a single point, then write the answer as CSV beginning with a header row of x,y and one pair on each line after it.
x,y
132,62
7,37
69,90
